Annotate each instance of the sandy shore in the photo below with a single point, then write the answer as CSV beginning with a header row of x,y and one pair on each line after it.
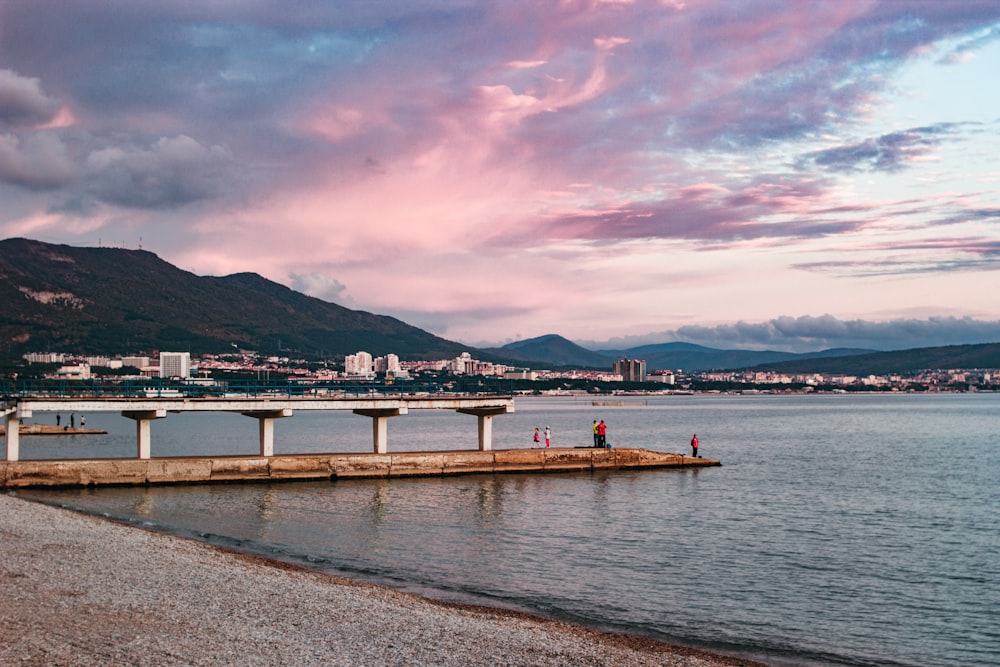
x,y
80,590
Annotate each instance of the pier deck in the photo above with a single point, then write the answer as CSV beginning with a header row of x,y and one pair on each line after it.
x,y
301,467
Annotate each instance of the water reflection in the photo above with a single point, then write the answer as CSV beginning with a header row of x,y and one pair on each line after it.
x,y
378,505
489,500
265,504
143,505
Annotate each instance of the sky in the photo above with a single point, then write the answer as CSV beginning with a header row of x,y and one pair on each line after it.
x,y
751,174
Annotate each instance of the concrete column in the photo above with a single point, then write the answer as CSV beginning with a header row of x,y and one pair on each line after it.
x,y
380,425
265,427
142,420
13,436
484,417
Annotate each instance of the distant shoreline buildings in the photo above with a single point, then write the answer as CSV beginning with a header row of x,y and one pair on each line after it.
x,y
363,366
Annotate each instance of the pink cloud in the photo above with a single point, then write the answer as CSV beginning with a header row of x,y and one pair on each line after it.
x,y
432,158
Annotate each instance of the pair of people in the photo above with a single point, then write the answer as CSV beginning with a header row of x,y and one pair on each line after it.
x,y
548,436
600,434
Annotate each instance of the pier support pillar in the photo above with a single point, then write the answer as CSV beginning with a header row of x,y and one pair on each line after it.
x,y
13,436
485,418
380,426
142,420
265,420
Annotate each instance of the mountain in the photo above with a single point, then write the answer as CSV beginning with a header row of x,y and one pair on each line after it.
x,y
553,350
691,357
550,350
985,355
110,301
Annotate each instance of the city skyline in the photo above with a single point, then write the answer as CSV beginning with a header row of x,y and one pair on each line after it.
x,y
734,174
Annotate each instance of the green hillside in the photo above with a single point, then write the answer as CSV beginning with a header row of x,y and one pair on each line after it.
x,y
985,355
109,300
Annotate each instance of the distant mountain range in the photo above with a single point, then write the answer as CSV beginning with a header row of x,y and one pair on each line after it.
x,y
553,350
986,355
110,301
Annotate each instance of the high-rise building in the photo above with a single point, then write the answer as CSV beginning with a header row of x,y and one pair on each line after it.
x,y
631,370
387,365
359,364
175,364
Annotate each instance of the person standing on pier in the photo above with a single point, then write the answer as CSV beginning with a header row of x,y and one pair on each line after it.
x,y
58,418
597,437
602,434
72,420
538,437
694,445
548,436
83,421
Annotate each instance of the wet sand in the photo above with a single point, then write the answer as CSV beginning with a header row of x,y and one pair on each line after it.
x,y
81,590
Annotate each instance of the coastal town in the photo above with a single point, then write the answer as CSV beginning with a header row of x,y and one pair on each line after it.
x,y
624,376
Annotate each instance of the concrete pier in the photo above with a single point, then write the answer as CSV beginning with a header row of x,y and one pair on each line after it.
x,y
194,470
266,410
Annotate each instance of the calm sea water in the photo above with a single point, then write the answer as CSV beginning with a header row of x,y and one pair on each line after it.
x,y
840,530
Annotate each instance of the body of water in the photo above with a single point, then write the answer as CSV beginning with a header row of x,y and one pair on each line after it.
x,y
840,529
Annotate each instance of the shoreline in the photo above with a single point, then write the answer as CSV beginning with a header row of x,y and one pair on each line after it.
x,y
87,590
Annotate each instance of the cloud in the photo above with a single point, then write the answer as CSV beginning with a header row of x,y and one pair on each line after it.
x,y
966,48
322,287
889,152
809,334
40,161
764,206
562,158
171,172
22,101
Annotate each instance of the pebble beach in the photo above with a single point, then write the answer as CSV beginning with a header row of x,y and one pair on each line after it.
x,y
83,590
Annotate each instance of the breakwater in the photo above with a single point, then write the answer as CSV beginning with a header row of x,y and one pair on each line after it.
x,y
207,469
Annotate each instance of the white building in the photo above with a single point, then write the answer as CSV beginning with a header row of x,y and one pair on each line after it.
x,y
387,365
666,377
462,364
175,364
137,362
74,372
359,364
45,358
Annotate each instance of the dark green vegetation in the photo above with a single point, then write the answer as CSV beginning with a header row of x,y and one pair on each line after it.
x,y
986,355
114,301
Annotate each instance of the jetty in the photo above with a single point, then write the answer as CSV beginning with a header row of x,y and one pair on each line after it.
x,y
318,467
49,429
149,400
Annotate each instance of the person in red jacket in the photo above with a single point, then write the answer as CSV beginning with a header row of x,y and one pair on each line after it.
x,y
694,446
602,434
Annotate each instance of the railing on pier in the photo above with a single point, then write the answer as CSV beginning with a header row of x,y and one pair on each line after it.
x,y
12,390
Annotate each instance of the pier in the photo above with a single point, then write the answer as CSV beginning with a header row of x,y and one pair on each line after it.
x,y
144,402
317,467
